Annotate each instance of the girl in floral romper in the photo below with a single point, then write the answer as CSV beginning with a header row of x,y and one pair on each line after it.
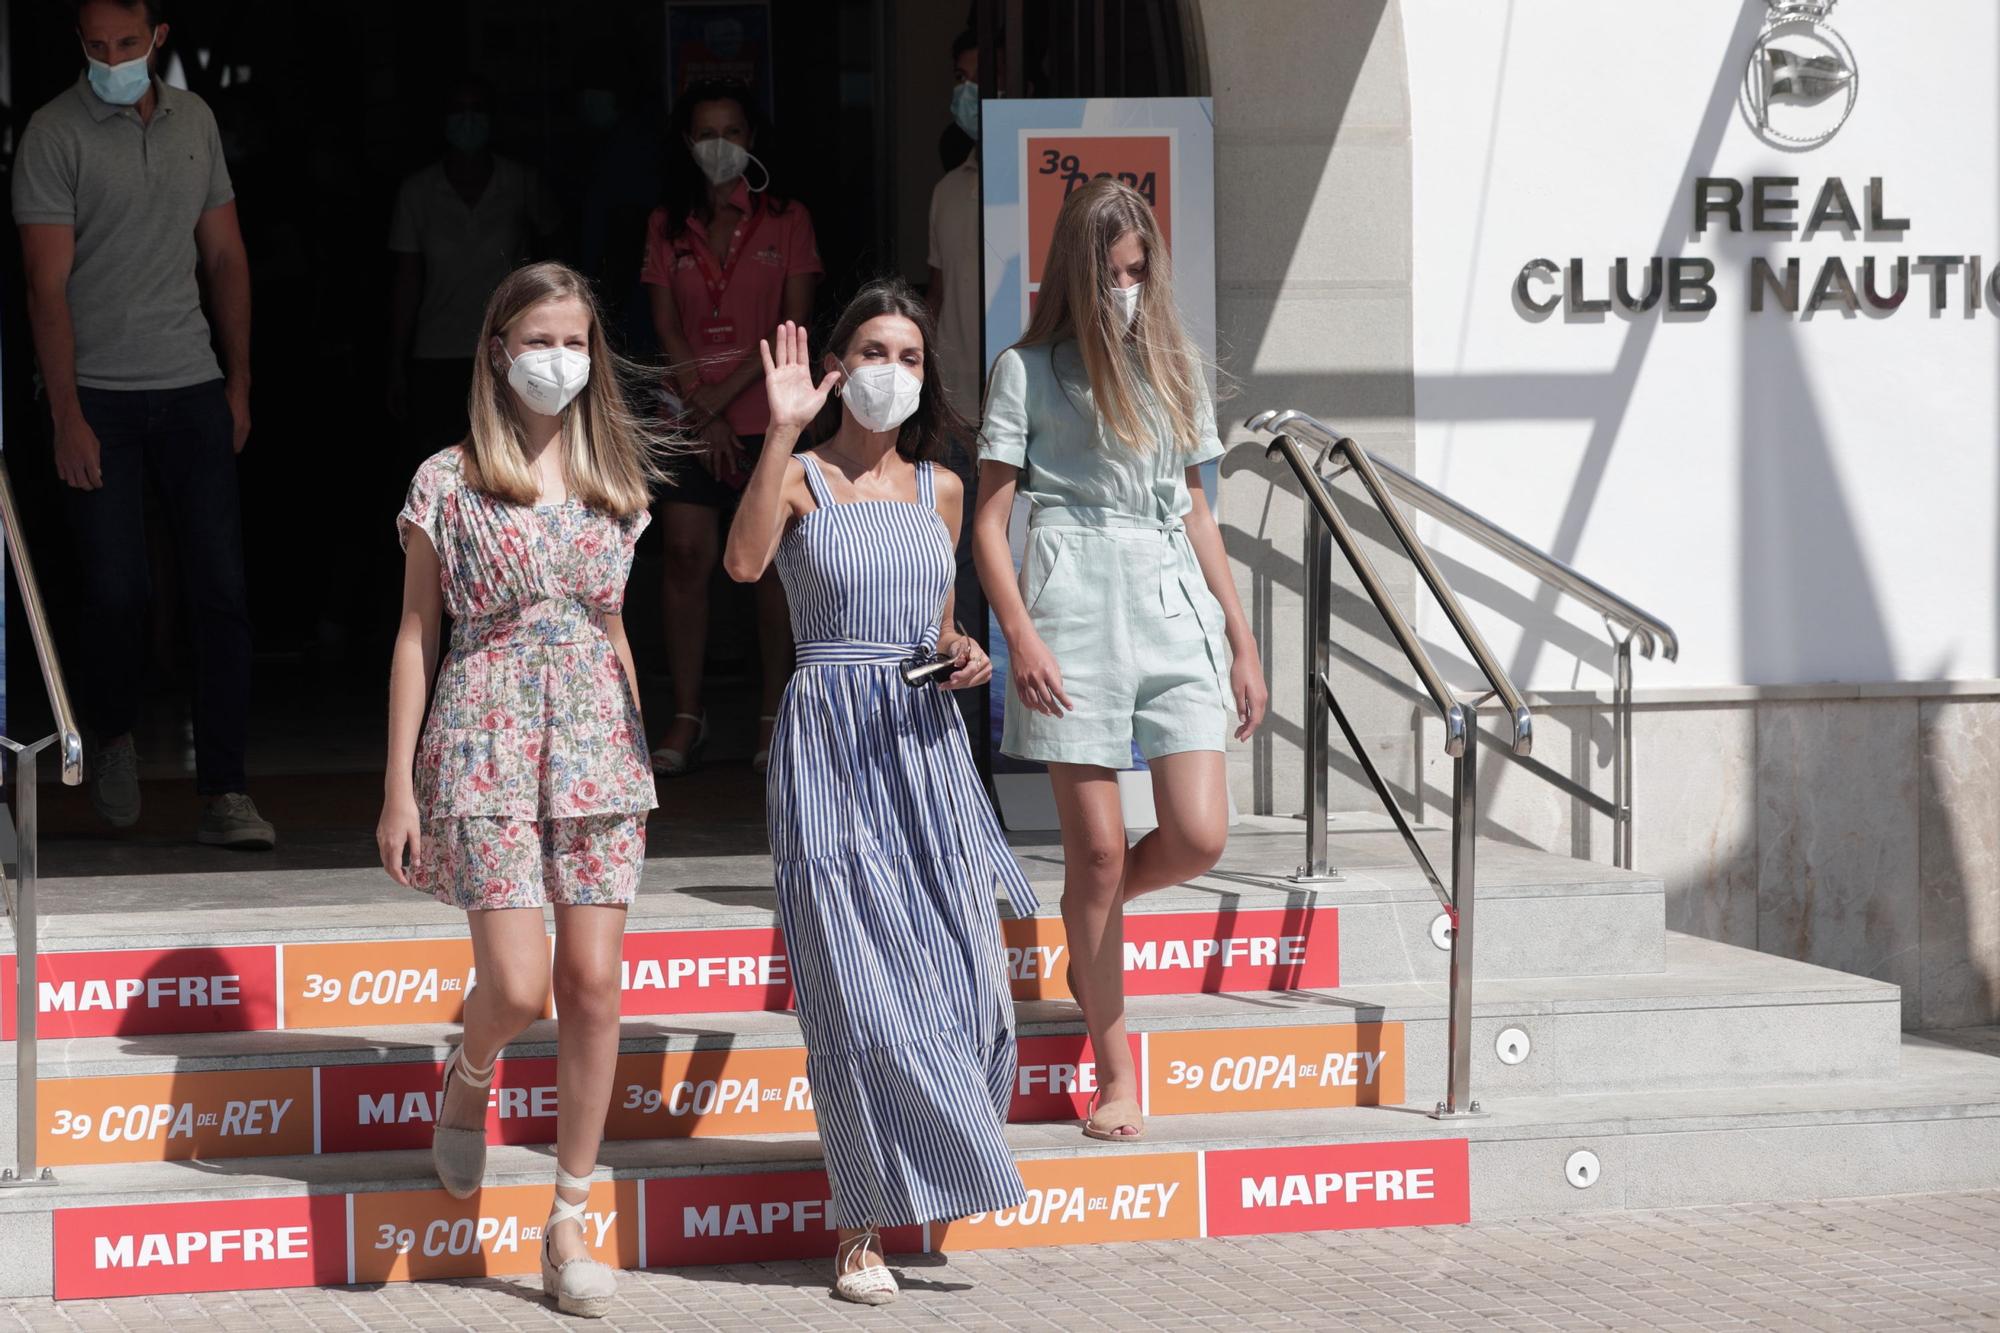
x,y
530,785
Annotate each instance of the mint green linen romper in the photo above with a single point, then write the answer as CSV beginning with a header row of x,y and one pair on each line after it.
x,y
1109,577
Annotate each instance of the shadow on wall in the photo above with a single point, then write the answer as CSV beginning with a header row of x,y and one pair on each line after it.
x,y
1601,399
1342,40
1799,859
1808,598
1390,395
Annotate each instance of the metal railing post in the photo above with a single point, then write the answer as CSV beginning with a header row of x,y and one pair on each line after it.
x,y
27,1005
20,894
1621,711
1464,850
1318,666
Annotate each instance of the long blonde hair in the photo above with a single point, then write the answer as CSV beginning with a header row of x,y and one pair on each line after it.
x,y
609,452
1154,364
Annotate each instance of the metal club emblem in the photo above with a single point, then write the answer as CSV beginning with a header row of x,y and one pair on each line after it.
x,y
1802,80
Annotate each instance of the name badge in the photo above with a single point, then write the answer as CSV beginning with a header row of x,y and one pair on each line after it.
x,y
719,333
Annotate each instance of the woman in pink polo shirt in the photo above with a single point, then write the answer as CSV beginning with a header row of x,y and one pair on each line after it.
x,y
726,262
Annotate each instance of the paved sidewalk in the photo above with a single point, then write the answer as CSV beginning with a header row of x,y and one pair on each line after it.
x,y
1913,1262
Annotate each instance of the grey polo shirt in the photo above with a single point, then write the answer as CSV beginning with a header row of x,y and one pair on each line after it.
x,y
133,191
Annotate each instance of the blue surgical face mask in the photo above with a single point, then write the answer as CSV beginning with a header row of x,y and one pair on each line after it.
x,y
965,108
122,84
468,131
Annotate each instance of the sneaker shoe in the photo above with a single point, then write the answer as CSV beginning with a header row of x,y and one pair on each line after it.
x,y
114,782
231,820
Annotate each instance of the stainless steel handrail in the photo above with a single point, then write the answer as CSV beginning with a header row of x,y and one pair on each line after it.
x,y
1475,643
1652,632
1450,710
1628,623
66,734
1324,527
20,893
1365,468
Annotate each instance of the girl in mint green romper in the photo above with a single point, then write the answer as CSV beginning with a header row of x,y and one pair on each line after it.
x,y
1124,628
1109,576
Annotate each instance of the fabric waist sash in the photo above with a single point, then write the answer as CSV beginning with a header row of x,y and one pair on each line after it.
x,y
1091,516
852,652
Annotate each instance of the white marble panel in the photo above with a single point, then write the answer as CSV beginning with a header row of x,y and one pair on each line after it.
x,y
1959,862
1695,816
1837,838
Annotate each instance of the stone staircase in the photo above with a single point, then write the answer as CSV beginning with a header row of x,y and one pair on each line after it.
x,y
237,1081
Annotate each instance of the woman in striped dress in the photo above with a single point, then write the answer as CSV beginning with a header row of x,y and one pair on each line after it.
x,y
887,854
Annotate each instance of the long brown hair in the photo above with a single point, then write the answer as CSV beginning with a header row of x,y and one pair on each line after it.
x,y
1154,363
609,452
934,424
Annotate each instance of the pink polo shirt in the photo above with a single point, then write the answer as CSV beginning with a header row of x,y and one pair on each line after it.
x,y
768,248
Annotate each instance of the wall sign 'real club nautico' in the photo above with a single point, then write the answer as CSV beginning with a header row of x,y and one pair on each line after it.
x,y
1801,80
1874,285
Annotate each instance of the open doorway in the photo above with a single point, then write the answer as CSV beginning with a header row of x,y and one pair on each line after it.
x,y
324,112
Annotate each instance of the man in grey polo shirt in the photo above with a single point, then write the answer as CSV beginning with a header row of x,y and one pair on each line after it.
x,y
120,191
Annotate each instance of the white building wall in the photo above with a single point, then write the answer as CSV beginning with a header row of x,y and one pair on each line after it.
x,y
1804,499
1312,222
1811,502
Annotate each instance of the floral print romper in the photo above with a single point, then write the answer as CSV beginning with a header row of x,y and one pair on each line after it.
x,y
532,779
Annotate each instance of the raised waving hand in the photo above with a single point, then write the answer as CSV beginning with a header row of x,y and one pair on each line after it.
x,y
788,382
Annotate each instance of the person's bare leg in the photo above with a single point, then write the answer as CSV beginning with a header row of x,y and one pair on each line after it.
x,y
1191,802
510,950
588,947
693,544
1094,859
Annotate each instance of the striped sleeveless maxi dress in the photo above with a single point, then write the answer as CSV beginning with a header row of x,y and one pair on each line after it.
x,y
887,859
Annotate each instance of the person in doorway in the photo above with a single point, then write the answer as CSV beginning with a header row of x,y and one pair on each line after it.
x,y
460,226
530,784
726,261
124,205
954,291
958,307
1124,624
887,854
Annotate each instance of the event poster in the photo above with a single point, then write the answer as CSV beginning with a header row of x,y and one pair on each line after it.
x,y
726,40
1034,153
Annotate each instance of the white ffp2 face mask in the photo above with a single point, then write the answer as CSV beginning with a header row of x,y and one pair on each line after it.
x,y
722,161
881,397
1128,302
548,379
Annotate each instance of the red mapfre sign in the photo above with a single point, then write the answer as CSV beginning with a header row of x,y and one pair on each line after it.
x,y
1337,1187
145,992
740,1219
225,1245
704,972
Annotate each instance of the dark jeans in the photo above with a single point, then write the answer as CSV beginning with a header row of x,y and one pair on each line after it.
x,y
182,439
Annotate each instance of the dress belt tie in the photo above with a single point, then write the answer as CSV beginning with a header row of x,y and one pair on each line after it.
x,y
1174,563
1094,516
851,652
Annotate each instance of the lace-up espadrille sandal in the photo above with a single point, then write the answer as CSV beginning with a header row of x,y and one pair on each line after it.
x,y
582,1287
460,1154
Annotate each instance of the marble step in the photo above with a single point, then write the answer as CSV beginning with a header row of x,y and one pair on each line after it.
x,y
306,949
1718,1017
371,1217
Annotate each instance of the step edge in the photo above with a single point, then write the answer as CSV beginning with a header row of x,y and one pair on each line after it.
x,y
417,1049
58,936
173,1182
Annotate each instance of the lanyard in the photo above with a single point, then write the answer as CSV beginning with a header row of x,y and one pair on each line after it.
x,y
718,278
